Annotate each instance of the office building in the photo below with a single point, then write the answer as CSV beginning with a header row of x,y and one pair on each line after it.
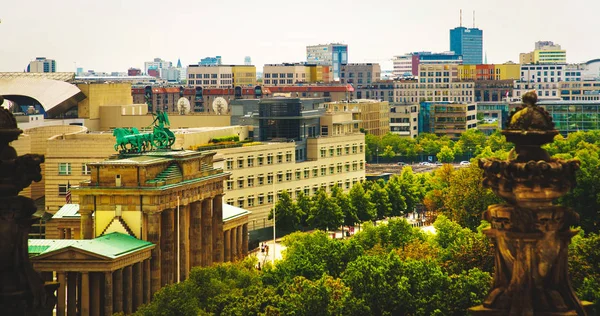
x,y
374,115
573,116
42,64
543,78
210,61
156,65
545,52
288,74
507,71
221,76
408,65
447,118
404,120
588,90
467,42
334,55
493,90
360,73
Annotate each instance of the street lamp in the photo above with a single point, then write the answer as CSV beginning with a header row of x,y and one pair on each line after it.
x,y
377,155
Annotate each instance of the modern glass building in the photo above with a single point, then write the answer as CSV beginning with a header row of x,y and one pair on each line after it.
x,y
573,116
467,42
210,61
334,55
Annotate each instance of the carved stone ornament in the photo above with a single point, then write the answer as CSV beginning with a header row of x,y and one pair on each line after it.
x,y
531,234
22,290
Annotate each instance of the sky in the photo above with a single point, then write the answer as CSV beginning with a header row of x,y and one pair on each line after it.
x,y
112,35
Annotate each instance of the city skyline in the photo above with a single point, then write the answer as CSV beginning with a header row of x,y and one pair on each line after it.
x,y
114,36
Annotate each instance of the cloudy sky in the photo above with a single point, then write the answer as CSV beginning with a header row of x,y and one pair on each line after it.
x,y
112,35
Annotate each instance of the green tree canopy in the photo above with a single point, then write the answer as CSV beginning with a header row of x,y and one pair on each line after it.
x,y
445,155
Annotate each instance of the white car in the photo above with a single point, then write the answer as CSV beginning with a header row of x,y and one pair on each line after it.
x,y
465,163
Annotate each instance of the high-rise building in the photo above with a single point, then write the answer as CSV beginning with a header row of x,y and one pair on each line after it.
x,y
210,61
545,52
157,64
42,64
408,65
334,54
467,42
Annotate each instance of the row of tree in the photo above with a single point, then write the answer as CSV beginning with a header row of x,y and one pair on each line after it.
x,y
470,144
364,202
392,269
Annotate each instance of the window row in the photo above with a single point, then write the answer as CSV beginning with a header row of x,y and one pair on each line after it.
x,y
268,198
338,150
279,177
251,161
65,169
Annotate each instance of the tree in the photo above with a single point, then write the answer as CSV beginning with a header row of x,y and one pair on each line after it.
x,y
471,142
388,152
397,200
360,203
380,200
341,199
304,203
324,213
411,188
288,213
446,155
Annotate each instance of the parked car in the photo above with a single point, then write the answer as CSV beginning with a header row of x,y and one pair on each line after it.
x,y
424,163
465,163
437,163
401,163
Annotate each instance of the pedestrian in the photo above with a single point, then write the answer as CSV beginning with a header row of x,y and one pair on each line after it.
x,y
258,266
267,249
262,247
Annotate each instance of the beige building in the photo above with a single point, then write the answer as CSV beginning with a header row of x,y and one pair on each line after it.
x,y
580,90
288,74
374,115
357,74
404,120
221,76
101,94
453,119
257,172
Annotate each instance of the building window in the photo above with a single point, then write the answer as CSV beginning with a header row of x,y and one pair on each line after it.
x,y
240,183
323,171
288,175
354,149
347,149
338,151
323,152
85,169
250,181
298,175
261,160
240,163
229,164
250,161
347,167
306,173
261,199
229,184
279,158
288,157
261,179
331,169
64,168
270,178
306,191
339,169
315,172
240,203
280,176
270,197
250,200
62,189
269,159
331,152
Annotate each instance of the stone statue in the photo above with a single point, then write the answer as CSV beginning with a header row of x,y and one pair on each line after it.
x,y
531,234
22,290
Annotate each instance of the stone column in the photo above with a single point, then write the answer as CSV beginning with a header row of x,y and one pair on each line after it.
x,y
95,293
61,295
61,233
77,233
138,288
239,242
71,293
155,263
118,291
227,245
108,293
233,240
184,244
207,244
147,287
127,290
245,240
167,243
87,225
217,226
68,234
195,234
85,293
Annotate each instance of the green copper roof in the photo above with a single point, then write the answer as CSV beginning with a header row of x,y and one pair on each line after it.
x,y
68,211
111,246
231,212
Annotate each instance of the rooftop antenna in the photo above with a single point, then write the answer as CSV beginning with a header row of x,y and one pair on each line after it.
x,y
460,17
